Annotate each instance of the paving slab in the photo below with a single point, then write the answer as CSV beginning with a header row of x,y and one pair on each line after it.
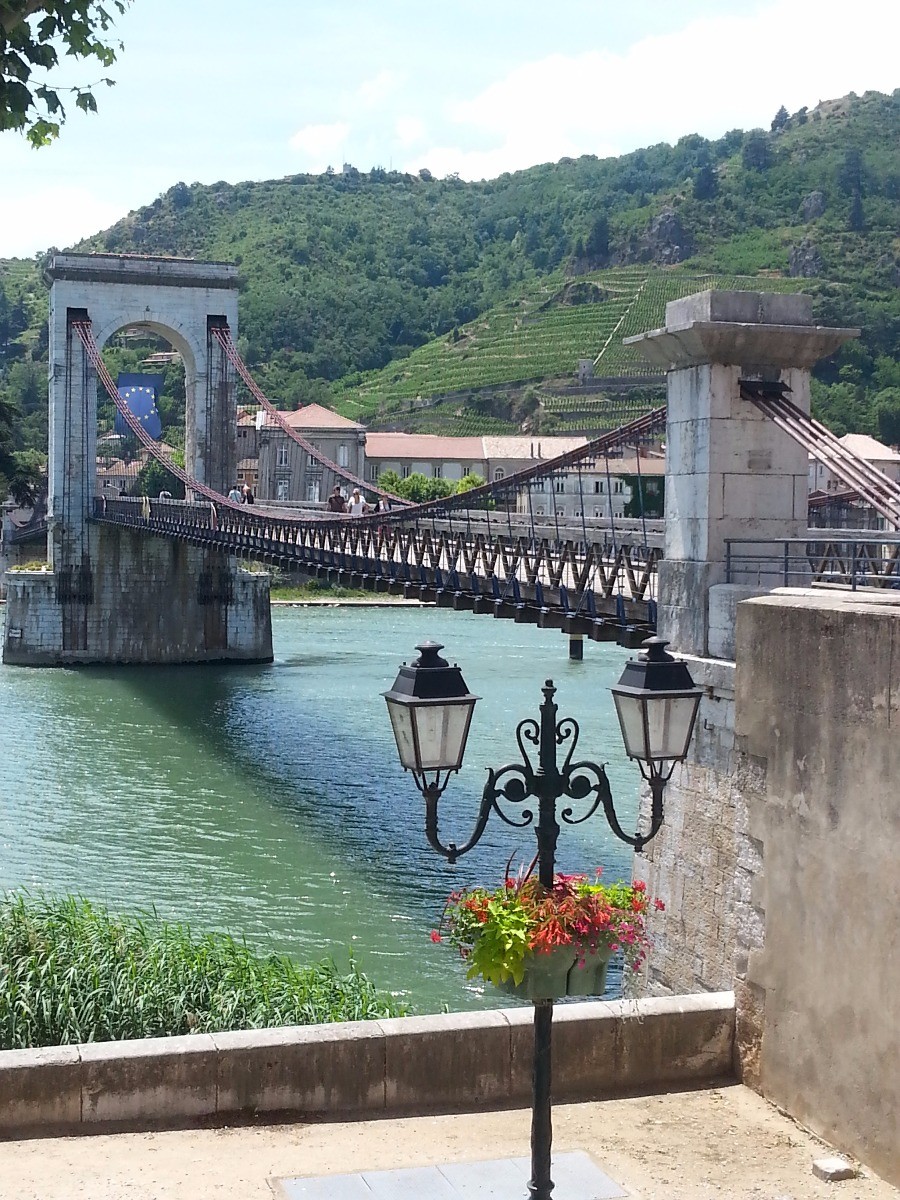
x,y
576,1176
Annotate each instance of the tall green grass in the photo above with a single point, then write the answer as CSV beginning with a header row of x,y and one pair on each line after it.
x,y
71,971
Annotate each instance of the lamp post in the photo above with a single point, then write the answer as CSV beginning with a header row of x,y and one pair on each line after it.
x,y
431,710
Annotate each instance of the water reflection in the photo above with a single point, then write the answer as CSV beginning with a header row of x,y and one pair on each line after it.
x,y
268,800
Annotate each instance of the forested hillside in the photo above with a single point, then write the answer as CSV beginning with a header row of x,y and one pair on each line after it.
x,y
345,274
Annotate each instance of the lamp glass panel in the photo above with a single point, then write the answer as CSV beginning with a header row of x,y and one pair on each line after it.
x,y
442,730
402,724
631,719
669,721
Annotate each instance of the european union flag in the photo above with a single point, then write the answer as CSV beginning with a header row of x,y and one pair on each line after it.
x,y
140,393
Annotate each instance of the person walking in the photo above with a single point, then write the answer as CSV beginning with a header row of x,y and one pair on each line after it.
x,y
235,495
357,503
336,502
247,494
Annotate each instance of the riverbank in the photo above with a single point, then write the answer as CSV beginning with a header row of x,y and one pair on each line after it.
x,y
355,602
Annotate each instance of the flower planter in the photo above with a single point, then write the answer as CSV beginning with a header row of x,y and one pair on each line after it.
x,y
558,973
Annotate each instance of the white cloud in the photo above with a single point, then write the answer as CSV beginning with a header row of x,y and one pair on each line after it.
x,y
321,145
715,74
409,130
58,216
372,92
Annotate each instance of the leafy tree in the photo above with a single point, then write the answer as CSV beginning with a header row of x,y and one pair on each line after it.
x,y
31,34
887,414
468,482
856,217
706,183
153,478
597,243
850,172
756,154
780,119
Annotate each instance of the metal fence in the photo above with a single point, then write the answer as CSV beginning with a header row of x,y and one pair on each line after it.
x,y
841,561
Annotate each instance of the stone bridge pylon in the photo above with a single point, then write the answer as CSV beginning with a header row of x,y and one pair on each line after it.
x,y
112,595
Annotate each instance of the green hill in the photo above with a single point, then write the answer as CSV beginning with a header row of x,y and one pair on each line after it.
x,y
371,289
539,338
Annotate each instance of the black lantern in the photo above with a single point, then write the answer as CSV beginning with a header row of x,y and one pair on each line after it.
x,y
430,709
656,703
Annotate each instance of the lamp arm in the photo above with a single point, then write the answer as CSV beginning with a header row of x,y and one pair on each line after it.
x,y
452,852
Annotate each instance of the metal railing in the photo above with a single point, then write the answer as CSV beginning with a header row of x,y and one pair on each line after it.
x,y
842,560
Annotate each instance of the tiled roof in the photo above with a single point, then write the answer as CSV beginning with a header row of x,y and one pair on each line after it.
x,y
316,416
533,446
423,447
867,447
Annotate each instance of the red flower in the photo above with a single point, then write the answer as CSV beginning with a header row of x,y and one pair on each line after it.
x,y
435,936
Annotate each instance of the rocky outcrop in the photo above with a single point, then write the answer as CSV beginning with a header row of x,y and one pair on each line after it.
x,y
812,206
664,242
805,261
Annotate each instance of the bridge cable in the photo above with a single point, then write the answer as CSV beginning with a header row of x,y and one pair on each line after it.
x,y
620,600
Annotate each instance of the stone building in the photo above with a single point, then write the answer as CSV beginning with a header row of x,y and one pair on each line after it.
x,y
285,473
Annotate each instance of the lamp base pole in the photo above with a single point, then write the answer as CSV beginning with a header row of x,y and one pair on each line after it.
x,y
540,1186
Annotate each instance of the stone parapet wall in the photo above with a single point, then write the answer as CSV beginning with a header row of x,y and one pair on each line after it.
x,y
450,1062
818,689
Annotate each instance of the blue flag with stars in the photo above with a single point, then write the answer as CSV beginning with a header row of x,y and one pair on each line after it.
x,y
140,393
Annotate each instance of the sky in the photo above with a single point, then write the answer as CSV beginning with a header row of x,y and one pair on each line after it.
x,y
210,90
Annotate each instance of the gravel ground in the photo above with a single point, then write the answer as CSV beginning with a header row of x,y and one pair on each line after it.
x,y
725,1142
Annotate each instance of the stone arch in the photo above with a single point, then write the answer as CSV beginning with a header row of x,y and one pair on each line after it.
x,y
176,298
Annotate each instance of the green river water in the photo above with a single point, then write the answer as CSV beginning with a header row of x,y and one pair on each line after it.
x,y
268,800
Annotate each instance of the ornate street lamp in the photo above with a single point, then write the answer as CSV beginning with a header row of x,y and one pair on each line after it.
x,y
431,710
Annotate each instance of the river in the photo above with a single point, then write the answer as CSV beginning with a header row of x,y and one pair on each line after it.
x,y
268,800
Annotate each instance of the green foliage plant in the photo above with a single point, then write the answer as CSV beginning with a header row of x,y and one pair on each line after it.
x,y
499,931
30,32
71,971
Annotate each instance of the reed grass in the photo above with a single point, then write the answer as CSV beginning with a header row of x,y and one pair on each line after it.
x,y
71,971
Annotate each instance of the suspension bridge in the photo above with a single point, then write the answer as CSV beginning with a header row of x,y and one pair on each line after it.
x,y
137,578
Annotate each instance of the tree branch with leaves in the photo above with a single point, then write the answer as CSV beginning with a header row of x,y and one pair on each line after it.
x,y
33,33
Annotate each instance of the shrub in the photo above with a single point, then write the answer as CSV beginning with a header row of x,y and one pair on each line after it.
x,y
70,971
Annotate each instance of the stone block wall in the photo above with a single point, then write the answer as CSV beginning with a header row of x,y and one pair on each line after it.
x,y
703,861
152,600
817,709
778,861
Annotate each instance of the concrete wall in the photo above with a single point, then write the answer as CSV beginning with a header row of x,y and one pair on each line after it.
x,y
152,601
455,1061
817,712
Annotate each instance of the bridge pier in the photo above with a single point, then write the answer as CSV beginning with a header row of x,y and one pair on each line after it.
x,y
730,471
113,595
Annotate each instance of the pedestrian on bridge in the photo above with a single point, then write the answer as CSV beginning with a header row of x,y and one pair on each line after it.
x,y
336,502
235,494
247,496
357,505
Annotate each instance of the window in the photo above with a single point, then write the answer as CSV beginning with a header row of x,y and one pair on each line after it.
x,y
373,472
466,471
282,457
597,512
437,471
343,457
281,489
405,472
559,485
599,487
498,474
312,491
618,486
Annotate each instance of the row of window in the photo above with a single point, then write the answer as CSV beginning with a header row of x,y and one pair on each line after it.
x,y
282,457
